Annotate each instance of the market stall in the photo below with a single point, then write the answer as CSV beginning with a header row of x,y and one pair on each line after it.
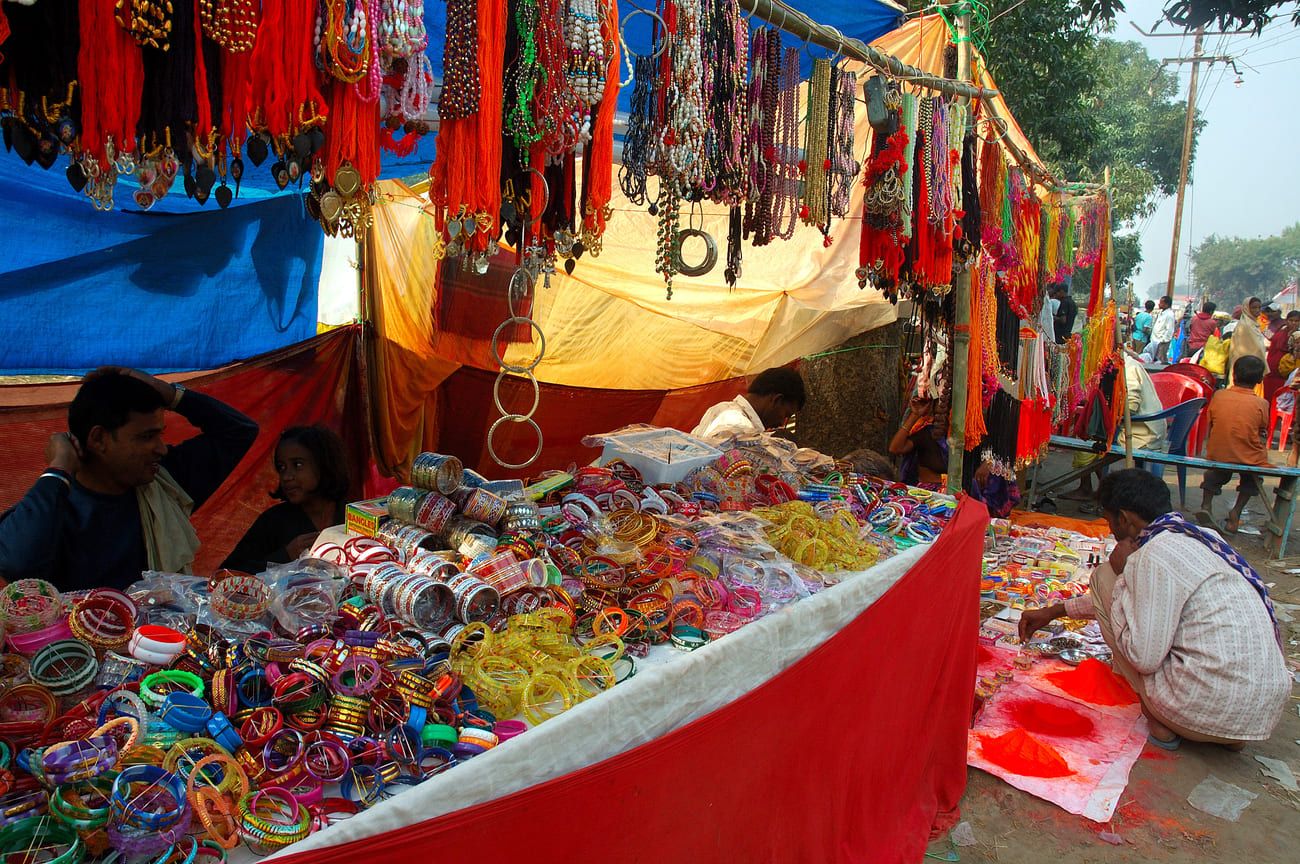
x,y
461,637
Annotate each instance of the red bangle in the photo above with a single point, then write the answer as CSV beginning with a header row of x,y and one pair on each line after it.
x,y
260,726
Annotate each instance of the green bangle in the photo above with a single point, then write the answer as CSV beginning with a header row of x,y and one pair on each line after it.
x,y
434,734
70,653
189,680
41,831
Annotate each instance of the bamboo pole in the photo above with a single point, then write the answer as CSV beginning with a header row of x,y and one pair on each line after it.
x,y
961,330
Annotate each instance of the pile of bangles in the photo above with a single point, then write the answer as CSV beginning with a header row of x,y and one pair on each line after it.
x,y
168,733
1034,567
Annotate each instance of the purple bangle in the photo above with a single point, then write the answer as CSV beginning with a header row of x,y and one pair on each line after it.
x,y
362,683
462,751
70,756
270,752
365,750
133,842
366,638
339,749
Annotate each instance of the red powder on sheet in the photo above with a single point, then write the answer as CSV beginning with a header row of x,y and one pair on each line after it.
x,y
985,656
1094,682
1021,753
1047,719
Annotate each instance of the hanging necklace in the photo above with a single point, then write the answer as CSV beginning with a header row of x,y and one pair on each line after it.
x,y
461,87
844,168
683,137
785,213
524,74
816,201
760,131
640,132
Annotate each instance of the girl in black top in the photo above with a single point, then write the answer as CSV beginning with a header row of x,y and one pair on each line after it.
x,y
313,488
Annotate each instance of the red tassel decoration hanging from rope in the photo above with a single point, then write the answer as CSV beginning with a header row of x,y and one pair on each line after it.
x,y
599,155
110,69
284,96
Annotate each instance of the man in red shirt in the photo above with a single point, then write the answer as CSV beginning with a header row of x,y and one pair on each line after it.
x,y
1278,346
1202,326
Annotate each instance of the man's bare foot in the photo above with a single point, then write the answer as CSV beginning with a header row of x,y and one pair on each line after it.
x,y
1232,524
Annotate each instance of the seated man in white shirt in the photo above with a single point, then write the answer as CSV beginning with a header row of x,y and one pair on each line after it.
x,y
1188,621
772,399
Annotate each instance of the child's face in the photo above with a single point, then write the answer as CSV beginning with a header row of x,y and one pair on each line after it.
x,y
299,474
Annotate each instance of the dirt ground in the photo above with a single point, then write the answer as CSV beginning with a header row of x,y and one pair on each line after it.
x,y
1153,821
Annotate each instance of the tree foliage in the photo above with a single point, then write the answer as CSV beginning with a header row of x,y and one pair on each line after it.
x,y
1088,102
1230,269
1221,14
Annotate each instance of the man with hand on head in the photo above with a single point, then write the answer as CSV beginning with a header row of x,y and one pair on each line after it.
x,y
115,499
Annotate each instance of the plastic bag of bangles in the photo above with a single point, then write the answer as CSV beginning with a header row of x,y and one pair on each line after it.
x,y
305,593
178,593
761,586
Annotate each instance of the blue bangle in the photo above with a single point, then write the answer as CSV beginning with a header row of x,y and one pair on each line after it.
x,y
416,719
261,696
185,711
223,732
123,810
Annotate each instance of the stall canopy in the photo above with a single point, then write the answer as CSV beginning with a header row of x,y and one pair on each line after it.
x,y
185,287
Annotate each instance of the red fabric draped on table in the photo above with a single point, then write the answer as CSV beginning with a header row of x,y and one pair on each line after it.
x,y
316,381
852,754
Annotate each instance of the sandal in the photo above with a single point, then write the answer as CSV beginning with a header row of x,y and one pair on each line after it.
x,y
1171,744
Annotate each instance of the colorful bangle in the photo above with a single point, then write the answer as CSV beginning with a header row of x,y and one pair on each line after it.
x,y
185,711
65,667
241,598
183,680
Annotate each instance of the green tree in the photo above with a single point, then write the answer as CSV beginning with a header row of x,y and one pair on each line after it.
x,y
1087,103
1230,269
1190,14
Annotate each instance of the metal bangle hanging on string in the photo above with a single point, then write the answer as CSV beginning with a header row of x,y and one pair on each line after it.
x,y
520,288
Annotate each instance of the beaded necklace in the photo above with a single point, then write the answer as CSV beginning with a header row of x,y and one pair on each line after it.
x,y
785,214
816,201
461,87
555,106
760,131
343,40
844,168
586,50
401,31
640,132
683,136
232,24
524,75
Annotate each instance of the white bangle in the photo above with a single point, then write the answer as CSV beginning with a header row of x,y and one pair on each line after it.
x,y
153,658
57,476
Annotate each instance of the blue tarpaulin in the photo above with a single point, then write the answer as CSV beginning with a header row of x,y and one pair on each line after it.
x,y
185,287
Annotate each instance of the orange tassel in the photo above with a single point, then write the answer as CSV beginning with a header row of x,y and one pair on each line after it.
x,y
600,152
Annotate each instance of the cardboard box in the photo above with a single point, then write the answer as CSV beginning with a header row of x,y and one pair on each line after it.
x,y
364,517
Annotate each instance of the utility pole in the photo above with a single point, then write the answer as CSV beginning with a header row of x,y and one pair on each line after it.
x,y
1189,127
961,292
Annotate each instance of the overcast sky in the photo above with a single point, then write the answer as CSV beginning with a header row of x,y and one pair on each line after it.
x,y
1246,176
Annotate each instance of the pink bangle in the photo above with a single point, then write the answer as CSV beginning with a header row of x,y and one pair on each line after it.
x,y
29,643
307,794
507,729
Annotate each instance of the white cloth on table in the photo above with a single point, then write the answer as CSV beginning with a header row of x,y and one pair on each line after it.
x,y
733,417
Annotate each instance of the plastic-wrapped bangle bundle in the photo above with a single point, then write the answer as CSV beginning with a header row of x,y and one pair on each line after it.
x,y
417,600
482,506
437,472
469,537
521,517
241,598
436,565
406,539
473,599
28,605
103,619
404,502
434,512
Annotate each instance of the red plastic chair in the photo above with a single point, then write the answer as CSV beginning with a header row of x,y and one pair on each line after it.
x,y
1196,371
1276,416
1175,389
